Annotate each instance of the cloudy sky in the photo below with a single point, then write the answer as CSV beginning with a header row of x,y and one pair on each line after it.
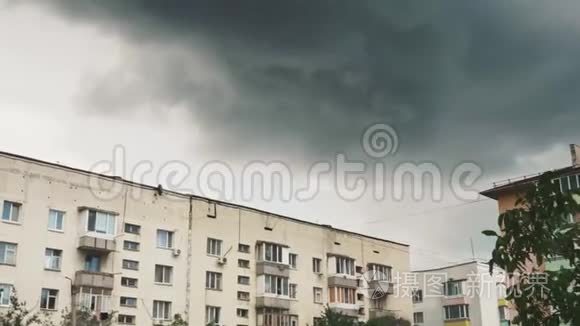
x,y
492,82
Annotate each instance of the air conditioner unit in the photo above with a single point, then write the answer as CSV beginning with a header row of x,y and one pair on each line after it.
x,y
176,252
222,261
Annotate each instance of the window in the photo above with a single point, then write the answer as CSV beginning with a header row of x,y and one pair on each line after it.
x,y
453,288
128,302
52,258
244,296
344,265
55,220
212,315
132,228
456,311
48,299
244,280
164,239
293,287
567,183
161,310
93,263
276,284
129,282
316,265
130,264
417,296
5,294
126,319
163,274
317,295
213,280
131,245
418,318
242,263
11,211
7,253
101,222
342,295
273,253
380,272
243,248
292,259
242,313
95,299
214,247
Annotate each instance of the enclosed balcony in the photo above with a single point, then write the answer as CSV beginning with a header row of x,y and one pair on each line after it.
x,y
96,244
94,280
273,302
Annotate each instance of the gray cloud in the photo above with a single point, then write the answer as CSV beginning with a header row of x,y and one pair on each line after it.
x,y
459,80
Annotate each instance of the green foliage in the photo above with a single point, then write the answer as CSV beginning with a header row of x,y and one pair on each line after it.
x,y
332,318
537,230
390,320
85,317
178,321
19,315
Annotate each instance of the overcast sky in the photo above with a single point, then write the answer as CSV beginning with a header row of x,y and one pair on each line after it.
x,y
492,82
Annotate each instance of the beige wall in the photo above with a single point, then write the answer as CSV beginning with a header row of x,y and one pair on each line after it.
x,y
41,187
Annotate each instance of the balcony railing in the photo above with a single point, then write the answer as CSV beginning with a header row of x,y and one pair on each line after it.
x,y
90,243
94,280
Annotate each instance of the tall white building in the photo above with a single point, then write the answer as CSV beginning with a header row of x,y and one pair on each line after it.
x,y
147,254
460,295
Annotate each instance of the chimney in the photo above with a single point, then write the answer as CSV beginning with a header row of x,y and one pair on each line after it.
x,y
575,154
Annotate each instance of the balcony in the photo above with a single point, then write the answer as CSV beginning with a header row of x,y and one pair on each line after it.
x,y
273,302
454,300
94,244
380,288
271,268
349,310
375,313
342,281
94,280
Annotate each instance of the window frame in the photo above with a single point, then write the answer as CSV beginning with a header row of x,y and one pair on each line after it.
x,y
169,241
62,219
213,280
13,253
293,260
129,264
10,287
48,259
166,270
316,265
110,223
124,322
212,314
318,291
164,307
10,217
125,304
130,279
463,312
214,247
127,226
137,247
46,300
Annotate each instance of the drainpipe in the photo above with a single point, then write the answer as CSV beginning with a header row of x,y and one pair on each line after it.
x,y
72,302
189,260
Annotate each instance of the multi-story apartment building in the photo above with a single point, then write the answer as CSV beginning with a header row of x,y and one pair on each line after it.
x,y
70,237
460,295
507,192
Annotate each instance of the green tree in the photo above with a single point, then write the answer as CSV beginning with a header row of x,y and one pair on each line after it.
x,y
19,315
536,230
85,317
389,320
332,318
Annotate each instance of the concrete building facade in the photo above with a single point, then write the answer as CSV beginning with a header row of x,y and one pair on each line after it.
x,y
460,295
69,237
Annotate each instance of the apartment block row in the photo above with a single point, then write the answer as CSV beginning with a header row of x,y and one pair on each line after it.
x,y
73,238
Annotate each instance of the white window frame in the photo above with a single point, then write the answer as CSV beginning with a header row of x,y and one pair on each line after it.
x,y
45,300
318,294
243,277
418,318
342,295
166,274
273,253
277,285
161,310
316,265
213,280
212,315
122,319
56,215
453,284
10,250
11,216
105,223
381,272
214,247
345,265
292,290
5,295
130,279
127,299
52,259
95,299
127,245
244,295
130,225
165,239
463,312
293,260
242,313
130,264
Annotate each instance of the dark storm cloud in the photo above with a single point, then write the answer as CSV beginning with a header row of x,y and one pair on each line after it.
x,y
459,80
